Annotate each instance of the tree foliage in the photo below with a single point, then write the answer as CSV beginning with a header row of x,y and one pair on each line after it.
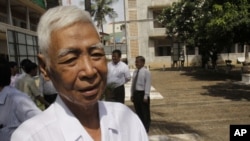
x,y
212,25
101,9
87,4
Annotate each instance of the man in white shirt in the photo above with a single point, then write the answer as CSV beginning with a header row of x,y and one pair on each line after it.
x,y
72,57
140,91
118,75
14,72
27,84
15,106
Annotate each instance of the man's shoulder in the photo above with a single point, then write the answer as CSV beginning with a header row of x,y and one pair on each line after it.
x,y
116,108
14,93
34,126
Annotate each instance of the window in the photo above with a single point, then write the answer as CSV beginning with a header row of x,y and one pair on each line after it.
x,y
229,49
22,46
190,50
163,51
240,48
155,15
162,47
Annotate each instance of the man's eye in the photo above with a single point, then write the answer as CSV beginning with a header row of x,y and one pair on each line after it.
x,y
70,60
97,55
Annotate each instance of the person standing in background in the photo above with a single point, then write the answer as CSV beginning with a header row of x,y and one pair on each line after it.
x,y
14,72
140,90
28,85
15,106
20,77
118,75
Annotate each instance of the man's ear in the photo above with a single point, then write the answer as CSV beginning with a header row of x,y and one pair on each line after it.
x,y
43,66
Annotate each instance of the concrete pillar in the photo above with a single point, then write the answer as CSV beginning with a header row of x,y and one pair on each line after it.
x,y
236,48
27,18
196,51
9,14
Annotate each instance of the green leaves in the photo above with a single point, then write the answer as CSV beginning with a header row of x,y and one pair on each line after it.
x,y
102,8
207,23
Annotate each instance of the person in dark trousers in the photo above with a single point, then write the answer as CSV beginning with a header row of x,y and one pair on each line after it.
x,y
140,90
118,75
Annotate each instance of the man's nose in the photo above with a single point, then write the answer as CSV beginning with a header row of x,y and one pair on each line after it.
x,y
87,69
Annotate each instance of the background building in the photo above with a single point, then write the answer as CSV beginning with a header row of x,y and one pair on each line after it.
x,y
18,23
116,39
147,37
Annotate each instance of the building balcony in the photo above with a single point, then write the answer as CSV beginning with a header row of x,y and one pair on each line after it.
x,y
161,3
4,27
157,33
18,6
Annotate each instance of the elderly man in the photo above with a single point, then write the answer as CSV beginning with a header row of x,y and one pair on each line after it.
x,y
72,57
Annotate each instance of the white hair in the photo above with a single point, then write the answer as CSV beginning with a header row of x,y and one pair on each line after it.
x,y
58,18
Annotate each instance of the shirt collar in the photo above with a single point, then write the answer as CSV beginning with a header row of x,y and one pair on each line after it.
x,y
69,124
116,63
72,128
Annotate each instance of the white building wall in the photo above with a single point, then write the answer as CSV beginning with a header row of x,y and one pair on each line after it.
x,y
145,28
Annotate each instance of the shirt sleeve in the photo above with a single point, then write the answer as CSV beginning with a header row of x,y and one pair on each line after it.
x,y
147,84
127,75
34,89
26,108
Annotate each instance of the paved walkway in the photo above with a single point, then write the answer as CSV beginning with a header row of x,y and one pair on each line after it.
x,y
197,105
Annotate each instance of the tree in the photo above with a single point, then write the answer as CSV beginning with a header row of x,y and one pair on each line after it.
x,y
212,25
88,5
101,9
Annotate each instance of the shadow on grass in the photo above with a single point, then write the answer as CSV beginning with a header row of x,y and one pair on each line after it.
x,y
172,128
228,87
233,91
207,74
161,127
214,75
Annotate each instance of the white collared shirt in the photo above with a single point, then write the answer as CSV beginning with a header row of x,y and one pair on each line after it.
x,y
57,123
118,74
143,82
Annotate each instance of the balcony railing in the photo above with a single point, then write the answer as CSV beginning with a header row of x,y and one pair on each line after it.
x,y
157,32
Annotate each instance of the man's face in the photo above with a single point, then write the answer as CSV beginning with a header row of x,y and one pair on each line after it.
x,y
14,70
77,64
115,58
138,63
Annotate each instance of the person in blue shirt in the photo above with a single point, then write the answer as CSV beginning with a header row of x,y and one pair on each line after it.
x,y
15,106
